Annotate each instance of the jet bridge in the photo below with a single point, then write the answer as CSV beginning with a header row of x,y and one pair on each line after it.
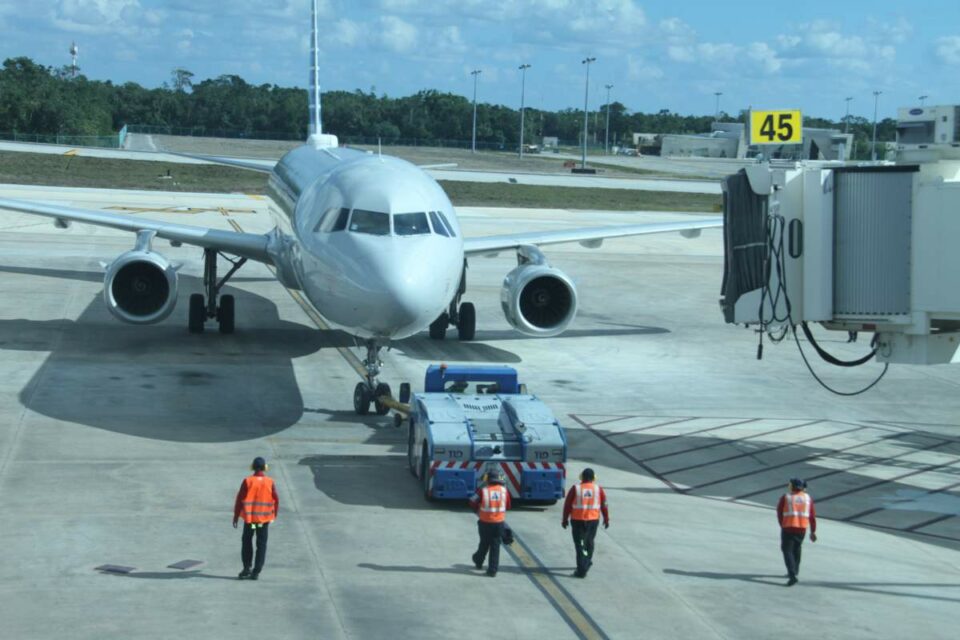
x,y
854,248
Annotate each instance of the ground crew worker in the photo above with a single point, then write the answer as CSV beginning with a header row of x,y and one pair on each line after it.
x,y
257,503
585,502
796,514
491,502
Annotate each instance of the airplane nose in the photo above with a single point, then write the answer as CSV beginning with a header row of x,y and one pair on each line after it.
x,y
412,290
411,287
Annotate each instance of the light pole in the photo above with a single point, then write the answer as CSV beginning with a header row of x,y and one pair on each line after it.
x,y
846,118
922,98
716,116
876,100
473,144
523,85
586,94
606,136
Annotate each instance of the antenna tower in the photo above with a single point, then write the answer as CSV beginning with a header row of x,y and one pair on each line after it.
x,y
74,51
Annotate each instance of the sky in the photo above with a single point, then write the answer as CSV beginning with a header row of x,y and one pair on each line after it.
x,y
676,55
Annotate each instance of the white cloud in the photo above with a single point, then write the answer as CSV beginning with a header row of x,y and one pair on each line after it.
x,y
398,35
765,56
948,49
346,32
639,69
95,16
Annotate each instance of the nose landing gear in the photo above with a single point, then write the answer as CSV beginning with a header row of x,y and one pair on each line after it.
x,y
371,391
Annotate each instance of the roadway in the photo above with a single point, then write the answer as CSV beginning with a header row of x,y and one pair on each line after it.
x,y
125,445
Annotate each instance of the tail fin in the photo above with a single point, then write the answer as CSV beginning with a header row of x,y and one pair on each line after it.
x,y
317,137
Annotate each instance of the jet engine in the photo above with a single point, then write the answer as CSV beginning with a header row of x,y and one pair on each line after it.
x,y
140,287
537,299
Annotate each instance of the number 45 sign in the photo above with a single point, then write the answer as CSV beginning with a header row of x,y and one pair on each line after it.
x,y
776,127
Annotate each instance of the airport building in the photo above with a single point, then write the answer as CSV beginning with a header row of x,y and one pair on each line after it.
x,y
729,140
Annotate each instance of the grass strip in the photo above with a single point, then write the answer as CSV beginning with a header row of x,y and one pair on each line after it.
x,y
107,173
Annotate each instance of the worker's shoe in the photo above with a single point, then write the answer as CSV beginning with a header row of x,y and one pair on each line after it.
x,y
477,563
255,575
579,574
792,581
492,574
244,574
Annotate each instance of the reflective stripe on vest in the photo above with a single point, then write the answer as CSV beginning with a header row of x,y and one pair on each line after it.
x,y
258,504
493,503
796,511
586,502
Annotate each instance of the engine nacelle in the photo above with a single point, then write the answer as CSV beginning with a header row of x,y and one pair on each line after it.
x,y
538,300
140,287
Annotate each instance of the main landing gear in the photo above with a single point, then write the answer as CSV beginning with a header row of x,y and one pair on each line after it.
x,y
203,309
463,316
371,391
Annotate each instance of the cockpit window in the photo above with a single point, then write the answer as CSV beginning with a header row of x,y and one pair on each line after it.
x,y
341,223
334,219
410,224
372,222
438,226
446,223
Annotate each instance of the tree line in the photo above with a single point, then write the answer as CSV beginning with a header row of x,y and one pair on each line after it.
x,y
47,100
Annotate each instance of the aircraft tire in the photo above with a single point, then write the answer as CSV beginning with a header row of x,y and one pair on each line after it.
x,y
383,389
438,328
225,314
467,327
196,314
361,399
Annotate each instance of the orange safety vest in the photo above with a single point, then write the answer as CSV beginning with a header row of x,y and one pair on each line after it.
x,y
586,502
796,511
493,503
258,504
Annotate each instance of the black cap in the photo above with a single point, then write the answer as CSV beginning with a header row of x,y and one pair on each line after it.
x,y
587,475
797,483
494,475
259,464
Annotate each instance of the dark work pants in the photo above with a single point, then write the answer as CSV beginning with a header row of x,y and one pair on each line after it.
x,y
790,545
584,531
246,549
491,534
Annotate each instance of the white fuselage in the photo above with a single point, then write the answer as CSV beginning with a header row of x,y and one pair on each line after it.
x,y
372,241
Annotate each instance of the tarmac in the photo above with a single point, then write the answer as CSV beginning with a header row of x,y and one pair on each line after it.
x,y
125,445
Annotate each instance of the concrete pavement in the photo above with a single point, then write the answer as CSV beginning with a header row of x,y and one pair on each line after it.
x,y
126,445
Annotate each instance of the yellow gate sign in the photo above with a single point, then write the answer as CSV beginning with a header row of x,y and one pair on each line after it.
x,y
776,127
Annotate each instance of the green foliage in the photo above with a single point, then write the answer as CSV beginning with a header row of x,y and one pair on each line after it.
x,y
44,100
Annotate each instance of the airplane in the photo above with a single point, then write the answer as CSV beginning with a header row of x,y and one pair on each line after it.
x,y
372,241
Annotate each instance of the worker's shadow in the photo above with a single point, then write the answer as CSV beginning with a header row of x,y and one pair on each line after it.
x,y
168,575
759,578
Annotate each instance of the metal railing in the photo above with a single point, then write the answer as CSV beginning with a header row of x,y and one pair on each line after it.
x,y
104,142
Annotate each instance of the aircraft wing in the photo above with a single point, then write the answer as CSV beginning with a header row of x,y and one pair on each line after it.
x,y
263,166
591,237
246,245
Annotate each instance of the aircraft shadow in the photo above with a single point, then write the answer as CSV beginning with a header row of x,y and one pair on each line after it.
x,y
161,382
421,347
